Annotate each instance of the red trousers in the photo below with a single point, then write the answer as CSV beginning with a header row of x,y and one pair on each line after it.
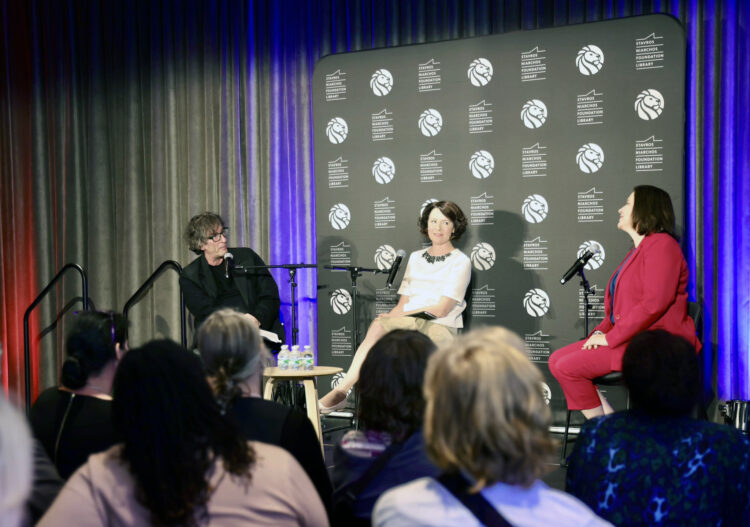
x,y
574,368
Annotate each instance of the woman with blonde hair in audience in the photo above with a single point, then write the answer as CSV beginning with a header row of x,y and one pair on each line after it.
x,y
181,461
486,427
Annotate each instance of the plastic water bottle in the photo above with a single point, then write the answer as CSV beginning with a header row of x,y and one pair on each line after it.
x,y
282,359
308,358
295,358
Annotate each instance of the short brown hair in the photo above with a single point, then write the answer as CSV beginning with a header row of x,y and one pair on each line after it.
x,y
390,383
652,211
200,227
451,211
485,412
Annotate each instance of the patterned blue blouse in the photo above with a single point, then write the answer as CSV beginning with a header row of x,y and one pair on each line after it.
x,y
634,469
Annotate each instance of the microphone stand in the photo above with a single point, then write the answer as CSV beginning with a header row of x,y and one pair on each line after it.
x,y
355,272
292,268
587,290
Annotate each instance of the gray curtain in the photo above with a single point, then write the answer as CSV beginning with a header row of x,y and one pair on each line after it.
x,y
121,119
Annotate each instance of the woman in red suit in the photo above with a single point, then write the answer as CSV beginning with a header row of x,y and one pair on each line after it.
x,y
647,291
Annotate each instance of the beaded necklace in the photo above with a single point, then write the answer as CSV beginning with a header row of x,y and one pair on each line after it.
x,y
433,259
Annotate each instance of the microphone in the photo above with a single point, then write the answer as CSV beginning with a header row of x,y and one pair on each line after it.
x,y
394,268
578,265
228,262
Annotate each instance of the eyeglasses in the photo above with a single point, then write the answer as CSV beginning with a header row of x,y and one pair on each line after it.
x,y
217,237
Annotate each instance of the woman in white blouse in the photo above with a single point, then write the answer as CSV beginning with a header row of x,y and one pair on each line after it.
x,y
432,293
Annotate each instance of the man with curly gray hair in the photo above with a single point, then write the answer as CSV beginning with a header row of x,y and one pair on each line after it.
x,y
208,282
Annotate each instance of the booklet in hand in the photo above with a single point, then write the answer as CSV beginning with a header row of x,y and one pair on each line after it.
x,y
426,315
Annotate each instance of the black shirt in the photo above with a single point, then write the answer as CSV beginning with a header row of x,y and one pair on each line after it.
x,y
87,427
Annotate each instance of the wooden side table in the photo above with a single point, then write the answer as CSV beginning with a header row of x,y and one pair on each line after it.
x,y
309,381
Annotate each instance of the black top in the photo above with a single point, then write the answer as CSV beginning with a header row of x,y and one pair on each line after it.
x,y
205,289
273,423
87,429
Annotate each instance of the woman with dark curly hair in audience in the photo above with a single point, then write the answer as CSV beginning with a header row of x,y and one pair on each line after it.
x,y
654,464
73,420
389,450
234,357
431,294
486,426
181,461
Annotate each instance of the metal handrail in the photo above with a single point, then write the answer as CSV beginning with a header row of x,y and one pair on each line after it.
x,y
169,264
27,314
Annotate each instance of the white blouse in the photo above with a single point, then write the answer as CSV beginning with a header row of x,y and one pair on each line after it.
x,y
424,283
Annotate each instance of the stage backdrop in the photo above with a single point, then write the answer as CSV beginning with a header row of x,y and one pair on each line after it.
x,y
539,136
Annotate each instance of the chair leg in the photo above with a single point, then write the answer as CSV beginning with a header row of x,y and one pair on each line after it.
x,y
565,441
268,391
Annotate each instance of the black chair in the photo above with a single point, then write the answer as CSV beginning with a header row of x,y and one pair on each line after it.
x,y
614,378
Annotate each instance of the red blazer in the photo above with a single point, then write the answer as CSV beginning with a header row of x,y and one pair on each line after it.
x,y
650,294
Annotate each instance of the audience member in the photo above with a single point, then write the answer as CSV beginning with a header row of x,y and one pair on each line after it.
x,y
74,420
15,465
654,464
46,484
389,451
486,426
234,356
181,462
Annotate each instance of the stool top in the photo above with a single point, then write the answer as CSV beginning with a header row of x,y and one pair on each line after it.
x,y
302,374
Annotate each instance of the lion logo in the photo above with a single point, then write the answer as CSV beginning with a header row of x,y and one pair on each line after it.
x,y
337,130
480,72
483,256
649,104
535,208
481,164
336,380
383,170
424,204
534,113
590,158
595,247
381,82
546,393
590,60
430,122
384,257
536,302
341,301
339,216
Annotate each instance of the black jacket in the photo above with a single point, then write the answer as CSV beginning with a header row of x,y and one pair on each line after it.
x,y
257,288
